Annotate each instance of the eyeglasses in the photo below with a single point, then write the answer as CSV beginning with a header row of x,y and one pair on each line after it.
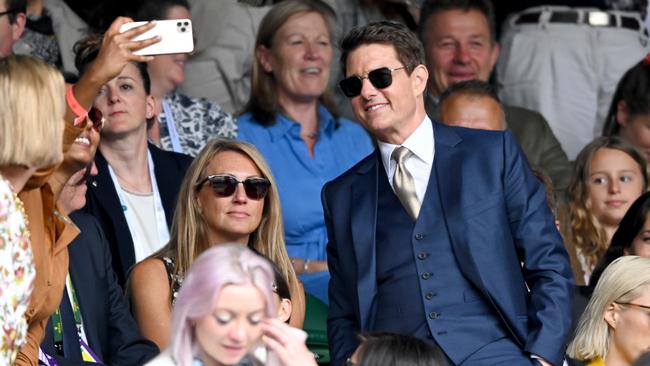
x,y
225,186
379,78
10,11
97,118
640,307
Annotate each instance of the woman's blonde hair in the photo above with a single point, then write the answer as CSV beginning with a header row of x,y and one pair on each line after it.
x,y
263,101
32,108
189,231
621,282
580,226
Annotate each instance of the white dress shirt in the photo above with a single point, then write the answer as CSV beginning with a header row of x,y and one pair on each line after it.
x,y
421,143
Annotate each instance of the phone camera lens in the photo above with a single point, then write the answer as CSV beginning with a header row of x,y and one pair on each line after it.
x,y
179,24
186,24
182,29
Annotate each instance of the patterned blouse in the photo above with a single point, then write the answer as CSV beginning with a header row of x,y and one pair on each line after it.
x,y
175,280
197,121
17,273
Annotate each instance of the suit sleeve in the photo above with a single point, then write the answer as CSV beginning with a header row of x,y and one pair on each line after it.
x,y
342,323
546,267
126,345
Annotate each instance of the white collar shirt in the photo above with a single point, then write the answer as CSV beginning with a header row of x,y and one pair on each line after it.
x,y
422,144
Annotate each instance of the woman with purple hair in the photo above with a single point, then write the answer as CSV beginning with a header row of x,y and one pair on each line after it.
x,y
225,313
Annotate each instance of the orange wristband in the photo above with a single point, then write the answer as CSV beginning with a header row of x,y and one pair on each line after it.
x,y
76,108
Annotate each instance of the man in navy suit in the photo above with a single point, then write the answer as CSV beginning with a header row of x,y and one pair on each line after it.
x,y
443,232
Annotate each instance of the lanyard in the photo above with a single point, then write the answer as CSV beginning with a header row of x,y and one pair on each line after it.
x,y
171,127
159,211
87,354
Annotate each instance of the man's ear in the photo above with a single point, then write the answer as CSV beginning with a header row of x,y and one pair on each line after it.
x,y
494,54
419,77
611,315
18,26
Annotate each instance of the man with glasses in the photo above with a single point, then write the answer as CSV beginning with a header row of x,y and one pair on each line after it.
x,y
12,24
428,234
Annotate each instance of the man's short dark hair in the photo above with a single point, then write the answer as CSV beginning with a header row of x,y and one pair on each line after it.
x,y
407,45
432,7
475,88
15,6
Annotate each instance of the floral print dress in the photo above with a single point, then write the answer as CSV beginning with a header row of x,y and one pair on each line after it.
x,y
17,273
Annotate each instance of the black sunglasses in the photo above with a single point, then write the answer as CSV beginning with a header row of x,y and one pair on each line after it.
x,y
10,11
379,78
225,186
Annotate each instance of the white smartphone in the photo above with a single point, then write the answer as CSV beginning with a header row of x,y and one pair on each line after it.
x,y
176,36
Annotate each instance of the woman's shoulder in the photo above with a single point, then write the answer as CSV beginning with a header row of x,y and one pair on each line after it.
x,y
151,271
164,156
251,130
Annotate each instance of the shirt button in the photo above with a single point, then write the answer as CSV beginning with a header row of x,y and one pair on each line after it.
x,y
433,315
422,256
419,236
426,275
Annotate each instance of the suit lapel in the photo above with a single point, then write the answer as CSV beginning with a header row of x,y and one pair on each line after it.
x,y
104,190
448,162
167,183
363,226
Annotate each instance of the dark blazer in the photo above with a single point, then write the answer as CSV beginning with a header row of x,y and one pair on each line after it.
x,y
496,214
111,331
534,135
104,204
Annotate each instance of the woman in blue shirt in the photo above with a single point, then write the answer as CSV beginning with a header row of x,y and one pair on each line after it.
x,y
291,120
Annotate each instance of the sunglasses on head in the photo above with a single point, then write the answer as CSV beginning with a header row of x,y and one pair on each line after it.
x,y
97,118
379,78
225,186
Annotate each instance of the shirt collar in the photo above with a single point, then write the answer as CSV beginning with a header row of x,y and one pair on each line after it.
x,y
283,124
421,143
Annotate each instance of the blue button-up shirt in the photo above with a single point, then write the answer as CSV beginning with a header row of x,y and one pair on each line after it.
x,y
341,144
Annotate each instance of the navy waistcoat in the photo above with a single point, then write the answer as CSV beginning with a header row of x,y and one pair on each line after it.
x,y
420,288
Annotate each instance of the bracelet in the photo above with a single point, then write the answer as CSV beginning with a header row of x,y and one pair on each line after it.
x,y
305,267
74,105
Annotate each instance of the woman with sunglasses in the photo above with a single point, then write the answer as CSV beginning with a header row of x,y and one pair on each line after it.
x,y
227,196
614,329
134,192
290,119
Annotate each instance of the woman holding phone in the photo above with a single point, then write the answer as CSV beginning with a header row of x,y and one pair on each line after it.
x,y
134,194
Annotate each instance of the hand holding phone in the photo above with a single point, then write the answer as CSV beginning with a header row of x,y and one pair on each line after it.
x,y
176,36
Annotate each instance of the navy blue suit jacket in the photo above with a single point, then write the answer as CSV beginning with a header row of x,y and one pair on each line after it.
x,y
497,216
104,204
110,329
